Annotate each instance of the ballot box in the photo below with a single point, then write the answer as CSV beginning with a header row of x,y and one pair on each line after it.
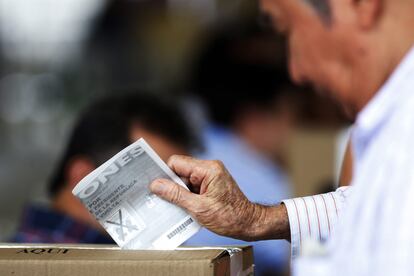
x,y
88,260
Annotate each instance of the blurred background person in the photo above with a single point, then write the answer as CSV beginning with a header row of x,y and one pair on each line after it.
x,y
103,129
251,110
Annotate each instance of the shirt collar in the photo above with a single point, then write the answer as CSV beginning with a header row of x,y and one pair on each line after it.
x,y
383,103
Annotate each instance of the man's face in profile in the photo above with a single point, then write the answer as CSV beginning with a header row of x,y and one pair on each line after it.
x,y
318,46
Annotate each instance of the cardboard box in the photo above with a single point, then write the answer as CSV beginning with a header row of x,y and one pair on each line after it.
x,y
94,260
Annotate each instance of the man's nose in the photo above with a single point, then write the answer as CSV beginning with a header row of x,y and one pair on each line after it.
x,y
295,72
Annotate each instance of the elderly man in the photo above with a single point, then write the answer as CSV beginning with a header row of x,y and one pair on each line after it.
x,y
359,51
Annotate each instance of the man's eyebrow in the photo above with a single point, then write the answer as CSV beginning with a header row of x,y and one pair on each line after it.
x,y
266,20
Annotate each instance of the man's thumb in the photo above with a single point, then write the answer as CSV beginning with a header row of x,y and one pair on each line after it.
x,y
172,192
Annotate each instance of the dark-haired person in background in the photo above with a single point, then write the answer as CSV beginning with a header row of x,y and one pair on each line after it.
x,y
250,105
102,130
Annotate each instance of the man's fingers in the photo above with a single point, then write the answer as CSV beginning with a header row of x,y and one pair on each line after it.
x,y
174,193
183,165
194,170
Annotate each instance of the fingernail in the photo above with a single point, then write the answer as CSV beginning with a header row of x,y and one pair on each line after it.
x,y
157,186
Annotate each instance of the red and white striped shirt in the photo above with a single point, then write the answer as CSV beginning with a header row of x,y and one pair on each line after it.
x,y
375,233
314,217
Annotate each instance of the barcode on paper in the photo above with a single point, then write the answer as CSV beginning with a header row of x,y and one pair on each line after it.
x,y
180,228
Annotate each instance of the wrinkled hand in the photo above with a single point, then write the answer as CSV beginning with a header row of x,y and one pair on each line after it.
x,y
216,201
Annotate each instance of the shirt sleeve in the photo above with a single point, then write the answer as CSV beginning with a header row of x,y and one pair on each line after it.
x,y
314,217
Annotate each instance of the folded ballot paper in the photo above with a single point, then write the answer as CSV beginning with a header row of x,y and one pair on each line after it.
x,y
117,194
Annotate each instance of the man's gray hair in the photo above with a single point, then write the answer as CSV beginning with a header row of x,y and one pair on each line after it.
x,y
322,7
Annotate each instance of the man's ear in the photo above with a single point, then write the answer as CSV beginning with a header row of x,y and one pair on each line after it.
x,y
76,169
368,12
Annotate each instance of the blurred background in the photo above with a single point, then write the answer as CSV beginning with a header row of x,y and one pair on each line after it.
x,y
58,56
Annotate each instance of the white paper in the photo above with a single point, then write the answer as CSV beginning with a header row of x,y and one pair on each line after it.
x,y
117,194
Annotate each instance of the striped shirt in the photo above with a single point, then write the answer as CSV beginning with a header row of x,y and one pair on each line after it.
x,y
375,234
314,217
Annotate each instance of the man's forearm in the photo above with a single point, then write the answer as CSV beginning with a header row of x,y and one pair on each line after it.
x,y
269,222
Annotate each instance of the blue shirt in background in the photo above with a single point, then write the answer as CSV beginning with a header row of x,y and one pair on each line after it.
x,y
40,224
